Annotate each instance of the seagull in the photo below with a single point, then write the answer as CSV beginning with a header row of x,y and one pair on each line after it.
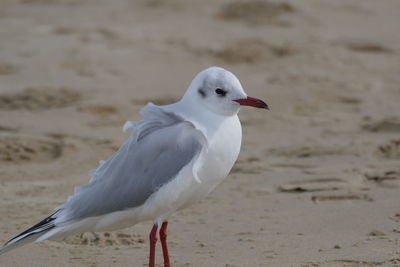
x,y
173,158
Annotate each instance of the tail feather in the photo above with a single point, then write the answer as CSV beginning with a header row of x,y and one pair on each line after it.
x,y
30,235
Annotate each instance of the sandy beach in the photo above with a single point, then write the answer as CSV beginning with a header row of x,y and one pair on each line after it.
x,y
317,182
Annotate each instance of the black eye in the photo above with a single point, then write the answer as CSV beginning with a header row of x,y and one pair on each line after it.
x,y
221,92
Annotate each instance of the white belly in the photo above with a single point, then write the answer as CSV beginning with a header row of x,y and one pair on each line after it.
x,y
223,151
218,160
192,184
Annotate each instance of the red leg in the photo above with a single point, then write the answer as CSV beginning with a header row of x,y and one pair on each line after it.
x,y
163,238
153,242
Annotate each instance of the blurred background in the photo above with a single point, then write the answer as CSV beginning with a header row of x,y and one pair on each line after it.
x,y
318,179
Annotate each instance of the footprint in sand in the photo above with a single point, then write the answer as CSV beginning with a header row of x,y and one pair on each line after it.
x,y
341,197
106,239
388,179
252,51
349,100
24,149
7,129
8,68
324,189
251,165
313,185
255,12
367,47
395,217
51,2
390,150
99,110
388,125
346,262
308,151
173,5
39,98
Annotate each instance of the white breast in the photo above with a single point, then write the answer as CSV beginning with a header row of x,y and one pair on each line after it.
x,y
223,150
216,162
192,184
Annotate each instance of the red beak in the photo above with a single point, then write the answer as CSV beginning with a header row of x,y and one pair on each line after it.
x,y
253,102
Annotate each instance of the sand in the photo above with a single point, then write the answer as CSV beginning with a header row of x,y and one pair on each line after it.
x,y
317,182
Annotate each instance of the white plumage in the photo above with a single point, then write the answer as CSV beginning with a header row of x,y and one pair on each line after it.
x,y
174,157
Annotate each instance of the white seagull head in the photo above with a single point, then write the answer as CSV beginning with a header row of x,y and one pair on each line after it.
x,y
219,91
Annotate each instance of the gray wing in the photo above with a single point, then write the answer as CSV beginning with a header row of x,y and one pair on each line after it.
x,y
161,145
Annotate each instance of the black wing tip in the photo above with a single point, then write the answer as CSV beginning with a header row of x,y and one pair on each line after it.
x,y
45,224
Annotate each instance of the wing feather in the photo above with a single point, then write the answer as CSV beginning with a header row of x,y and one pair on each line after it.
x,y
159,147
